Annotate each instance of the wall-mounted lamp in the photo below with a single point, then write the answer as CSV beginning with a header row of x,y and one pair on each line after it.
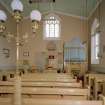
x,y
3,18
35,17
17,8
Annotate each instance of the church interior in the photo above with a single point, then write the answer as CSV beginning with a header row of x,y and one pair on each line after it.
x,y
52,52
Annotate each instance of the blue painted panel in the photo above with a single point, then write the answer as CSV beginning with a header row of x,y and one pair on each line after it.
x,y
74,50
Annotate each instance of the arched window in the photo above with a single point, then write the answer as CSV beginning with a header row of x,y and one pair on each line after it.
x,y
52,27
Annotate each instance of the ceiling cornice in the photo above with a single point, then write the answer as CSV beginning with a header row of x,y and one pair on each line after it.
x,y
92,12
67,14
62,13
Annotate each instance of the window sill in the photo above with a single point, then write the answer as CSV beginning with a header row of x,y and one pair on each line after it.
x,y
45,38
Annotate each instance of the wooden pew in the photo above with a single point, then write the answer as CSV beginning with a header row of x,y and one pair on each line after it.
x,y
45,92
32,101
6,101
49,80
46,76
50,74
90,76
98,85
72,93
43,84
95,82
7,90
52,84
56,93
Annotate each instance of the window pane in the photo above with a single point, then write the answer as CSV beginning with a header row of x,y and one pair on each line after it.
x,y
52,27
51,30
97,52
94,51
56,30
92,46
97,39
47,30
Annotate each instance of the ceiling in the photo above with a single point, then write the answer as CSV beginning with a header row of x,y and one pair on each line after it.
x,y
69,7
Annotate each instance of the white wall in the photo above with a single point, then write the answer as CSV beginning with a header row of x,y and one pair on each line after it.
x,y
8,63
71,27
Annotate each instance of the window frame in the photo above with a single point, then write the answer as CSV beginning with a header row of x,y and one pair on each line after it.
x,y
97,45
95,55
44,28
95,59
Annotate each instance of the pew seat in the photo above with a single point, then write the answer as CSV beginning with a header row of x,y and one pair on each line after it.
x,y
48,80
43,84
51,77
55,91
52,91
52,84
